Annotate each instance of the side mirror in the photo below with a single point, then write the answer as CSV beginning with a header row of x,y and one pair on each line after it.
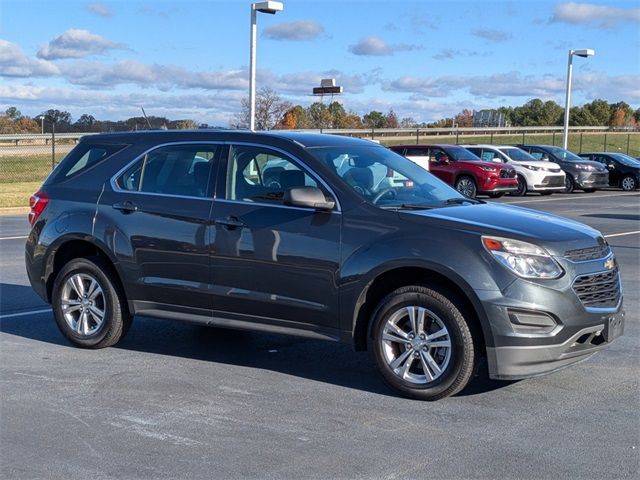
x,y
611,166
496,160
307,197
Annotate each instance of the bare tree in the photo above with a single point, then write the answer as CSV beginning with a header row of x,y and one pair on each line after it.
x,y
270,109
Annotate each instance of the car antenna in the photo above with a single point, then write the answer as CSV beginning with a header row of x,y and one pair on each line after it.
x,y
145,117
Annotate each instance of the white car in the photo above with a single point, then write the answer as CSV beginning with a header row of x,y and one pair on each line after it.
x,y
533,175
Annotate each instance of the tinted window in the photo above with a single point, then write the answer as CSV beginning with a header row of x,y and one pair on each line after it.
x,y
417,152
384,178
82,157
518,155
174,170
258,174
460,154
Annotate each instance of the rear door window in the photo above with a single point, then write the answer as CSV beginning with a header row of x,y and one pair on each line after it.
x,y
182,170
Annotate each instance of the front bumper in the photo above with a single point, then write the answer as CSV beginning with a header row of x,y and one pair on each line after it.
x,y
538,327
590,180
496,185
512,363
548,183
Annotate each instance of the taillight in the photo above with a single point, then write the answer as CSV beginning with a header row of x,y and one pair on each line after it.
x,y
38,202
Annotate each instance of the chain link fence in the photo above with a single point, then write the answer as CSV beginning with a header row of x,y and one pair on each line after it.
x,y
26,160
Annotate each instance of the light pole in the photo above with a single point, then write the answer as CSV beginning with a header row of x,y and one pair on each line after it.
x,y
586,52
263,7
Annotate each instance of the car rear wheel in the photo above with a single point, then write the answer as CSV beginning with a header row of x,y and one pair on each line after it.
x,y
569,184
629,183
466,186
88,306
521,191
422,344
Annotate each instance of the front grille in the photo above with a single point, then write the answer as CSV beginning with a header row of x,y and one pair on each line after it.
x,y
553,170
598,289
553,181
507,173
590,253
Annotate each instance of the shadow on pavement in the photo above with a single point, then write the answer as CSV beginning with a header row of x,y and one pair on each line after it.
x,y
317,360
614,216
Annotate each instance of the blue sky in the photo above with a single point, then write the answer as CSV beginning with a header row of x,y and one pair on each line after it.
x,y
425,59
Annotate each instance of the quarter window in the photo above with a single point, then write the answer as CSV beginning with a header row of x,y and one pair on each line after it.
x,y
257,174
182,170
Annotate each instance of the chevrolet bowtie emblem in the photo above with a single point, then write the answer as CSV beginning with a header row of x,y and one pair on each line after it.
x,y
610,264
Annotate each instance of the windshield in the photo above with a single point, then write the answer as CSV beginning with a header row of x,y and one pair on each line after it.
x,y
386,179
563,154
626,160
518,155
461,154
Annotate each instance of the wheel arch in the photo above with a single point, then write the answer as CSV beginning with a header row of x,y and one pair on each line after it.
x,y
389,280
78,246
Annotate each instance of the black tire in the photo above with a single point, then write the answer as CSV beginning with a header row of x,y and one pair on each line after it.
x,y
496,194
589,190
117,319
628,183
569,184
522,187
463,360
468,184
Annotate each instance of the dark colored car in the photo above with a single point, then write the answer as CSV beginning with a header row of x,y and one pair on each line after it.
x,y
465,171
273,232
624,170
580,173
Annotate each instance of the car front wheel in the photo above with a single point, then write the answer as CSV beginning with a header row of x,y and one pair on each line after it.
x,y
521,191
629,183
422,344
569,184
89,308
466,186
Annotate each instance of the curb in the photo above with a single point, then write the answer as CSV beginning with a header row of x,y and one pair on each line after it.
x,y
13,211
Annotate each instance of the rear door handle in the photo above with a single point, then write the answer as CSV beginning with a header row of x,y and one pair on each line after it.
x,y
125,207
230,223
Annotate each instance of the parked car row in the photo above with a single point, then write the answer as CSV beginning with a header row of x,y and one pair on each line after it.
x,y
494,170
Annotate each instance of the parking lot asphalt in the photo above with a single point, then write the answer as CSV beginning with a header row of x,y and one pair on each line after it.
x,y
180,401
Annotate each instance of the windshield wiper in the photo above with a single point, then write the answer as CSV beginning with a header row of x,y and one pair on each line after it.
x,y
461,201
410,206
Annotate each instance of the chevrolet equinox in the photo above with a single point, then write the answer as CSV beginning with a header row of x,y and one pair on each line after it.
x,y
321,236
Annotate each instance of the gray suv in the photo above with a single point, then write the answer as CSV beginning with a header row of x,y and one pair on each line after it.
x,y
319,236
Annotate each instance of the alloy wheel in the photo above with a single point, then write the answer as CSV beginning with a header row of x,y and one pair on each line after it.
x,y
628,184
466,187
83,304
416,345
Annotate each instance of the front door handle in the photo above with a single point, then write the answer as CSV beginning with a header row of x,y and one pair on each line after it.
x,y
126,207
230,223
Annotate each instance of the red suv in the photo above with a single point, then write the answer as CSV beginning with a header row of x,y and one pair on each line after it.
x,y
464,170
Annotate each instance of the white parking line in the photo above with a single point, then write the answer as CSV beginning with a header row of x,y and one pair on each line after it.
x,y
622,234
23,314
572,197
14,238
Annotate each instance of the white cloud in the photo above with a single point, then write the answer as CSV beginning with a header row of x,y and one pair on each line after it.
x,y
376,46
14,63
99,9
594,15
296,31
77,43
512,84
496,36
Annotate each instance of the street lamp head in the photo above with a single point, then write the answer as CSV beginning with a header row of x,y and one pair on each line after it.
x,y
585,52
268,7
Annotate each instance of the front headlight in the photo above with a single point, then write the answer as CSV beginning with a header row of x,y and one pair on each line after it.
x,y
531,167
489,169
584,167
524,259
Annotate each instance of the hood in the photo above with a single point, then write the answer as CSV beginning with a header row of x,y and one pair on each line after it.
x,y
538,163
554,233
